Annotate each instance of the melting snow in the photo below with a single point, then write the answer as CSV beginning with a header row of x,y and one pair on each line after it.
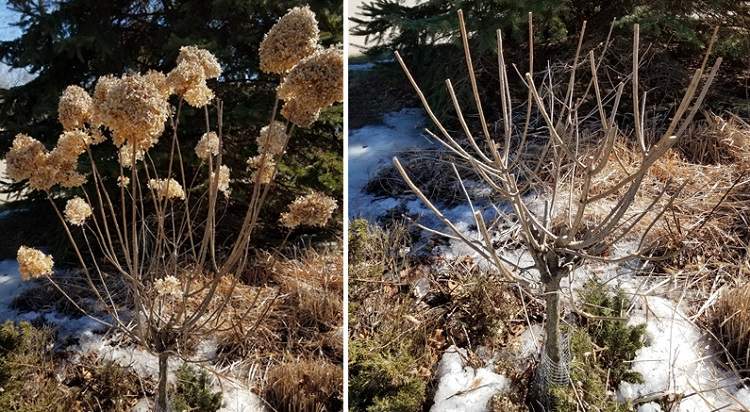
x,y
463,388
678,359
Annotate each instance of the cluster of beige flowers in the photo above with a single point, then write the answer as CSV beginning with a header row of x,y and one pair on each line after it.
x,y
223,181
272,138
125,155
167,188
263,167
77,211
313,84
75,108
168,286
123,181
133,107
313,77
312,210
33,263
291,39
188,78
29,159
207,146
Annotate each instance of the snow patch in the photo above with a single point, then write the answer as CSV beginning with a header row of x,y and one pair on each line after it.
x,y
463,388
677,359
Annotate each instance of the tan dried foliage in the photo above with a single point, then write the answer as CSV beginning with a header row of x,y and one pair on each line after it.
x,y
731,318
305,385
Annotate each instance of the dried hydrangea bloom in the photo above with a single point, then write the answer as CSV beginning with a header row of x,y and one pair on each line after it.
x,y
223,183
188,80
207,61
24,158
72,144
272,138
300,113
263,167
33,263
159,80
125,155
123,181
168,286
134,109
101,93
185,76
95,136
291,39
167,188
317,80
28,159
77,211
199,96
313,210
75,108
207,146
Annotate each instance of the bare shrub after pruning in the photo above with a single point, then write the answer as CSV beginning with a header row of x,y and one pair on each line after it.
x,y
575,223
153,231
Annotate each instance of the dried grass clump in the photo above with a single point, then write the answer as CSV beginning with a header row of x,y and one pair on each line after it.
x,y
314,284
707,211
431,170
307,385
731,319
718,141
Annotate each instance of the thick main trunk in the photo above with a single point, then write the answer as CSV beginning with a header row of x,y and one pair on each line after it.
x,y
162,404
552,327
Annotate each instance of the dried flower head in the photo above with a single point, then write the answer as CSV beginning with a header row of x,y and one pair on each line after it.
x,y
167,188
204,58
223,183
185,76
159,80
123,181
125,155
77,211
263,167
199,96
317,79
300,113
207,146
75,108
313,210
292,38
133,108
188,78
28,159
24,158
33,263
168,286
72,144
272,138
